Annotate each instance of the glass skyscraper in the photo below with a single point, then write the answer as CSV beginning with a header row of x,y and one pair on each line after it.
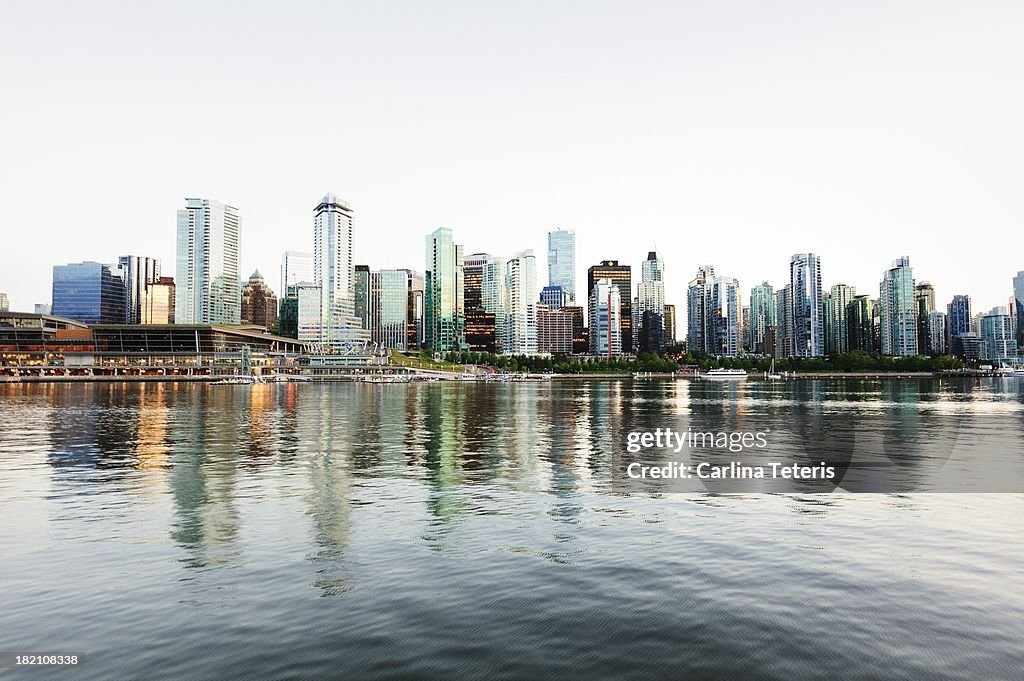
x,y
806,305
484,302
958,322
562,260
388,308
334,275
762,315
605,319
207,288
444,305
621,276
834,321
139,274
88,292
898,310
1018,304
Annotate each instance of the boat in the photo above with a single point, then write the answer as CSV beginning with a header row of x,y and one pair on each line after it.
x,y
250,379
725,374
771,375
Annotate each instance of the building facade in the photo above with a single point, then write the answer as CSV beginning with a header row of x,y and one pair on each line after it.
x,y
1018,308
696,323
762,315
484,300
158,302
958,322
605,319
650,300
620,276
562,261
207,288
296,266
445,315
138,274
806,309
388,308
554,330
670,325
834,319
998,336
338,329
521,304
88,292
259,304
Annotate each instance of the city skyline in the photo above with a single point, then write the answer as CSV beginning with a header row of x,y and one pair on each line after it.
x,y
734,136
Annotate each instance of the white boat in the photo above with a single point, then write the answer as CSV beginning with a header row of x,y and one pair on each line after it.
x,y
771,375
725,374
241,380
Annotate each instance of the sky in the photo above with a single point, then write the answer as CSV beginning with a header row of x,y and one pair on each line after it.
x,y
729,133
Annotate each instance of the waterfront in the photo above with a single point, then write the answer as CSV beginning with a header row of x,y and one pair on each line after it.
x,y
172,531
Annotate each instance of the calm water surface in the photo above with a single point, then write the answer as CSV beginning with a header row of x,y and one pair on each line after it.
x,y
439,531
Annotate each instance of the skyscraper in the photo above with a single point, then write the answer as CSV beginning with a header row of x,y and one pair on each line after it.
x,y
997,336
670,325
334,276
4,303
138,273
296,266
924,297
958,322
1018,305
806,305
362,295
158,302
484,301
696,323
620,276
937,333
521,304
722,314
388,313
860,325
207,288
605,319
762,315
414,311
898,310
651,304
834,321
562,260
88,292
555,297
444,302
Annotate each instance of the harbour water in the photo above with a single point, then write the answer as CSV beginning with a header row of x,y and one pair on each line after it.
x,y
463,530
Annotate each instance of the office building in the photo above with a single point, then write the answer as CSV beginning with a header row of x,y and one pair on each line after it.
x,y
414,311
924,298
339,328
936,333
521,304
1018,307
562,261
137,273
259,304
805,303
207,288
958,322
88,292
554,330
444,309
5,304
388,308
650,303
762,315
997,336
580,336
715,311
620,276
555,297
605,319
362,295
296,266
670,325
158,302
484,302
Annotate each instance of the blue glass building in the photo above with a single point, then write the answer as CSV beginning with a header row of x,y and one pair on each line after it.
x,y
88,292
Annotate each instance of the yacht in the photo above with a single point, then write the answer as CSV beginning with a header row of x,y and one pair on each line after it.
x,y
771,375
725,374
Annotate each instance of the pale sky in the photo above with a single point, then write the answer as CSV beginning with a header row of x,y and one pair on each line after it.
x,y
734,134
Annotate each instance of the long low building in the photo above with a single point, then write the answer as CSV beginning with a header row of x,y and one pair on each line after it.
x,y
45,345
